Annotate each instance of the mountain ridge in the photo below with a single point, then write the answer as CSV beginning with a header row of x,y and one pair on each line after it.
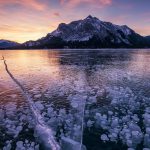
x,y
90,33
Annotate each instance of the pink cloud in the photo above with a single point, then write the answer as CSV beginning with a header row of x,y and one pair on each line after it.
x,y
56,14
143,31
74,3
26,3
120,19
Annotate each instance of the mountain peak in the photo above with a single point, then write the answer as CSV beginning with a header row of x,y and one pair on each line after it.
x,y
89,17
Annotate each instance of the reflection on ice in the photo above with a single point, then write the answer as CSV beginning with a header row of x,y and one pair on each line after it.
x,y
97,102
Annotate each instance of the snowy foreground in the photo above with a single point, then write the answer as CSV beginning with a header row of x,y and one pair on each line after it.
x,y
118,113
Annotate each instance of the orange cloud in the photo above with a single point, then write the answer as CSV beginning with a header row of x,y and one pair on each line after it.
x,y
26,3
22,33
22,29
143,31
74,3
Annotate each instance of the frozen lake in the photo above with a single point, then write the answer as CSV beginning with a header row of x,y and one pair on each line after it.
x,y
100,98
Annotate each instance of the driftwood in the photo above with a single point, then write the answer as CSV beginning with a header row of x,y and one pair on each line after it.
x,y
44,132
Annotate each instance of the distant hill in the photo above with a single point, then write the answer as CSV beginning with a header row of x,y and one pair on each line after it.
x,y
5,44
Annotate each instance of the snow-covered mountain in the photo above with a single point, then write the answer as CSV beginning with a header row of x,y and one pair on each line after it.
x,y
89,33
83,30
7,44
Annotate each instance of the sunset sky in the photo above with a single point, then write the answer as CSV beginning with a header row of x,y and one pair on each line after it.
x,y
22,20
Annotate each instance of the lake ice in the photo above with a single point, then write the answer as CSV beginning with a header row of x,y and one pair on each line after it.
x,y
89,99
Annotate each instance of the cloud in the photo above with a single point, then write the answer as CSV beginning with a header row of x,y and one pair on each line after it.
x,y
34,4
57,14
22,29
22,33
143,31
74,3
119,19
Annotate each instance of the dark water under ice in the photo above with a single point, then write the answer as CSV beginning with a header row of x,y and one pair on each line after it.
x,y
108,90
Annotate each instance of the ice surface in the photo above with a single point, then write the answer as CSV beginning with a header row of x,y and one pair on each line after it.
x,y
121,119
20,145
1,115
39,105
70,105
8,146
104,137
69,144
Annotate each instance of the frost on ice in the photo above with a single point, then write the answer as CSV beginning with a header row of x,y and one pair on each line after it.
x,y
72,106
